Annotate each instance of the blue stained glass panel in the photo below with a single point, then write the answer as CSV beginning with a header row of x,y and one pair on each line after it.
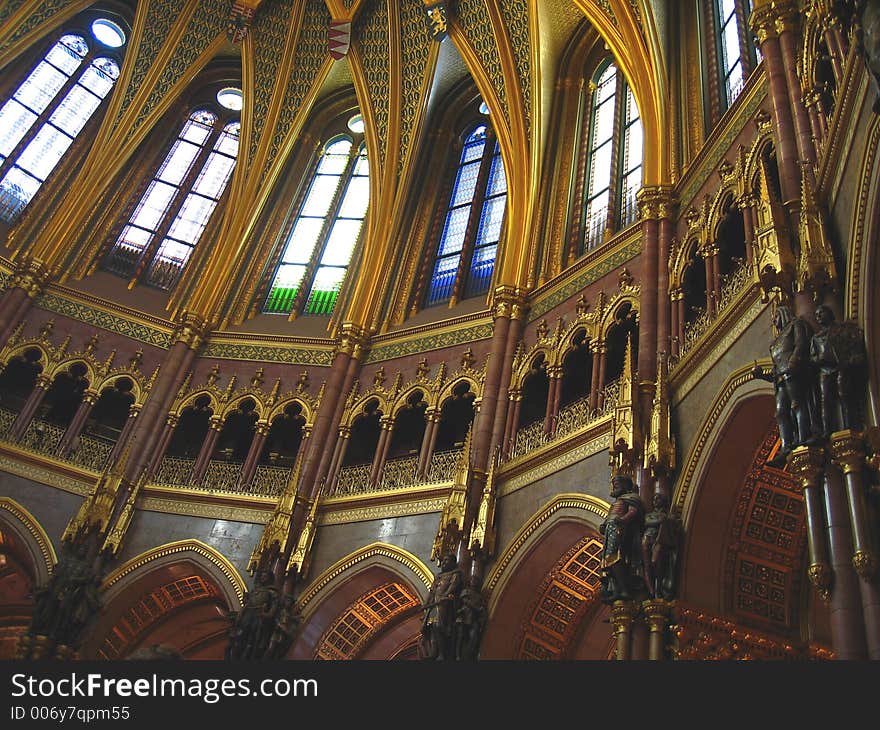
x,y
453,232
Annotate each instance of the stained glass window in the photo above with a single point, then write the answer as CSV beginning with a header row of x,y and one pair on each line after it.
x,y
614,157
43,117
323,237
733,50
163,229
472,226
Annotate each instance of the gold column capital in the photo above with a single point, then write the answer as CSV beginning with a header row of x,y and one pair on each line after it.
x,y
353,340
623,613
31,275
191,330
807,464
865,564
657,613
820,576
656,202
848,450
510,301
261,428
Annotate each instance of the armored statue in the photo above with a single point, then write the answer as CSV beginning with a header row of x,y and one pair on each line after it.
x,y
287,621
838,351
791,378
470,622
254,624
621,532
438,625
661,541
69,599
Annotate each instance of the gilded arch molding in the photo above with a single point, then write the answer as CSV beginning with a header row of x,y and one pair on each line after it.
x,y
226,575
580,507
32,535
382,554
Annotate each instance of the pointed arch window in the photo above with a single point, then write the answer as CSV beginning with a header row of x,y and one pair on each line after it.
x,y
48,110
165,226
614,157
324,234
465,255
735,54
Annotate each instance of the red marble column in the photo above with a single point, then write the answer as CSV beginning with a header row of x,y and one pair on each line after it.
x,y
551,410
74,428
29,408
26,283
338,455
746,204
514,335
145,436
426,450
387,425
647,356
847,623
596,348
710,293
664,315
351,349
488,403
603,365
207,450
249,468
763,24
514,423
674,339
786,26
162,446
126,432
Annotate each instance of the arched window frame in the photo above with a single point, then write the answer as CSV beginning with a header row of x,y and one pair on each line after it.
x,y
483,230
731,53
306,298
52,118
612,158
149,264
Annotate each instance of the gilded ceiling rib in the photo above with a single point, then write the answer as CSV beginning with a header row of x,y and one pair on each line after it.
x,y
22,22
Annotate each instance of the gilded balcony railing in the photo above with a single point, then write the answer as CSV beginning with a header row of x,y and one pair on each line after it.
x,y
42,437
174,471
7,418
92,453
442,466
222,476
353,480
398,473
270,481
572,417
738,280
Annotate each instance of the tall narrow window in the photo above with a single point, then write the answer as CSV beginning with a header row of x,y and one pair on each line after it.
x,y
614,158
43,117
465,255
736,55
322,239
166,224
